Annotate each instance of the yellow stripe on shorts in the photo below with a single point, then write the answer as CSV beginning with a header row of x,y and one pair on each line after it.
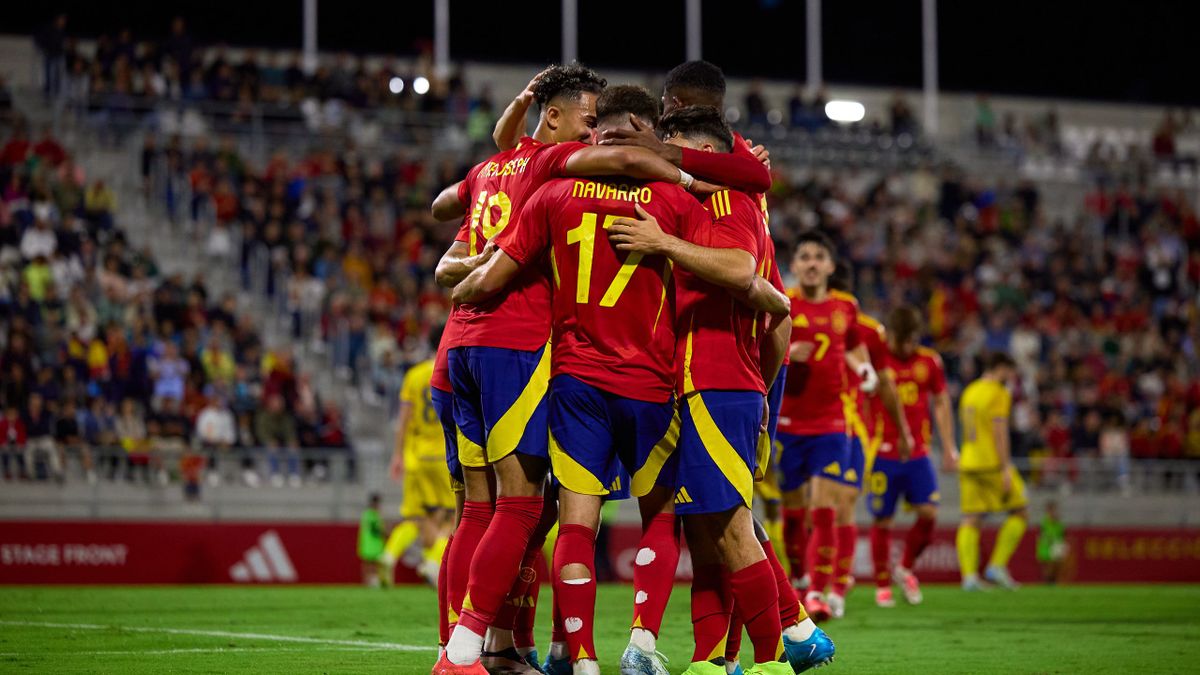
x,y
647,474
722,453
572,474
470,453
507,432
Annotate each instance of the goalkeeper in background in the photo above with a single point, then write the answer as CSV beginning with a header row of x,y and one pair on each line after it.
x,y
419,462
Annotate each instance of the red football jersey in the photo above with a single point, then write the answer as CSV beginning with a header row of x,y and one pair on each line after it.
x,y
494,191
441,363
812,397
867,406
614,312
718,337
917,378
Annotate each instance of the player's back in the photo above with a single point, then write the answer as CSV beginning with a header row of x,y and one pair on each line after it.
x,y
918,377
614,311
982,402
494,192
423,437
718,337
812,402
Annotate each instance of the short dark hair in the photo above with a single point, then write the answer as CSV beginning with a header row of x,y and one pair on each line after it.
x,y
904,322
699,77
696,121
815,236
626,99
842,280
568,81
996,360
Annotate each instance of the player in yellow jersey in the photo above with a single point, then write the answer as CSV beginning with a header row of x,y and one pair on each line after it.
x,y
419,460
988,480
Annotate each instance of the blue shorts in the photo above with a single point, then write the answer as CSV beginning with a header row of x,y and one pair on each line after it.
x,y
718,444
857,465
599,439
891,479
499,402
802,457
775,401
443,405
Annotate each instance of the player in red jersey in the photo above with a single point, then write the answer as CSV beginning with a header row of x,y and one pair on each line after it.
x,y
920,381
499,367
720,384
812,422
612,375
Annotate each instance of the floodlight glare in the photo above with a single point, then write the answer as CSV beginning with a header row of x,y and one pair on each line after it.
x,y
845,111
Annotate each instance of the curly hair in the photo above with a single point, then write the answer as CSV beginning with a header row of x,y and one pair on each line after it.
x,y
625,99
695,122
700,77
568,81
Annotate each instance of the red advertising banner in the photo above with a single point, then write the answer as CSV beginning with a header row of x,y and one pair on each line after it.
x,y
91,552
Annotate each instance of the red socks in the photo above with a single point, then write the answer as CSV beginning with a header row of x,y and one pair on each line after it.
x,y
712,603
498,560
790,610
654,572
733,641
576,598
757,598
918,538
476,516
527,613
881,553
795,539
825,543
442,595
847,538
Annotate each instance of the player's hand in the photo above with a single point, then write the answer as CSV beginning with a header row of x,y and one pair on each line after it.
x,y
950,459
642,235
396,468
766,416
641,136
525,98
904,444
760,153
870,378
801,350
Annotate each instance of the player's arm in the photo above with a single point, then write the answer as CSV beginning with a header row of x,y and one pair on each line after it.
x,y
739,169
731,268
772,351
859,360
891,405
511,125
396,468
764,297
943,417
1003,451
456,264
487,280
448,205
634,162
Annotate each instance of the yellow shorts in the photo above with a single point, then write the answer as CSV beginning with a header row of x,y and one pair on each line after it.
x,y
983,492
426,487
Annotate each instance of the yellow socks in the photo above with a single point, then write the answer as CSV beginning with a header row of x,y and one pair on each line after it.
x,y
1007,541
967,543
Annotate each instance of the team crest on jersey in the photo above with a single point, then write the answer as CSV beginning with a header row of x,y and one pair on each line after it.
x,y
840,322
921,371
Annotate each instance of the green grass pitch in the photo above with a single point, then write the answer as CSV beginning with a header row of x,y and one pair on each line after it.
x,y
1072,629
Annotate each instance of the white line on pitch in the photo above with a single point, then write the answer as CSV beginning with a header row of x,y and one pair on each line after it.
x,y
200,650
225,634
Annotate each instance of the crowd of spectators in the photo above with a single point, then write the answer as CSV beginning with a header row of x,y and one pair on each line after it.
x,y
140,374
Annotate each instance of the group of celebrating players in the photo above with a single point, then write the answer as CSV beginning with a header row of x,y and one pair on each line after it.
x,y
621,329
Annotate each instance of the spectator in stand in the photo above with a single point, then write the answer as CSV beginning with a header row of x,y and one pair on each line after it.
x,y
1163,143
169,372
756,105
51,42
39,428
216,429
275,428
1114,449
99,205
39,240
68,435
903,120
130,429
985,122
13,439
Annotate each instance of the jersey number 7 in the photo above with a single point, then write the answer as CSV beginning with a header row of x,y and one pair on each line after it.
x,y
585,236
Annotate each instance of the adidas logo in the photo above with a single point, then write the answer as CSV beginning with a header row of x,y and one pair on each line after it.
x,y
268,561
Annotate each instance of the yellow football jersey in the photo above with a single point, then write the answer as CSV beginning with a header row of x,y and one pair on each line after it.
x,y
423,440
982,402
